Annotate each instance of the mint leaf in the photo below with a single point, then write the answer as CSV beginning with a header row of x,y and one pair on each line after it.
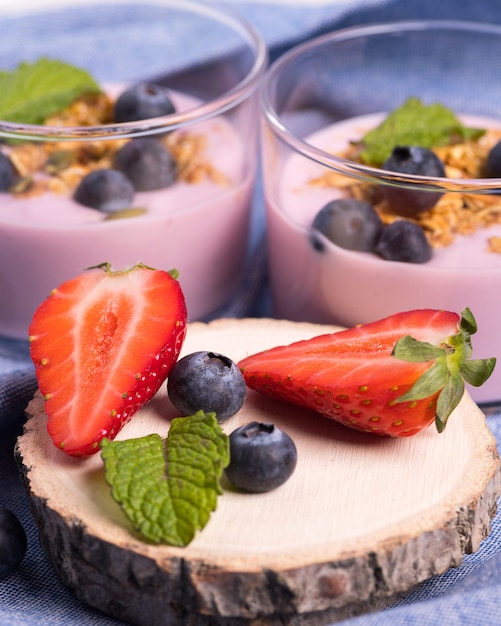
x,y
168,488
34,91
414,124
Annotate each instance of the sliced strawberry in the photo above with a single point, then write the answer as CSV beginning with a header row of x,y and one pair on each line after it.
x,y
390,377
102,344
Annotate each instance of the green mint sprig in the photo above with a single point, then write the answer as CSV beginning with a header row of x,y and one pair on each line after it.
x,y
168,488
34,91
414,124
452,366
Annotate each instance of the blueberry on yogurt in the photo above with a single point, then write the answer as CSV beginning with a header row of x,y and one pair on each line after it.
x,y
147,164
8,173
142,102
106,190
349,223
414,161
493,162
404,241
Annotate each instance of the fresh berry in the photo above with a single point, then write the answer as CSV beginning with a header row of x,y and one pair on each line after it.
x,y
384,377
349,223
143,102
102,344
414,161
262,457
8,173
147,164
13,542
493,162
404,241
106,190
209,382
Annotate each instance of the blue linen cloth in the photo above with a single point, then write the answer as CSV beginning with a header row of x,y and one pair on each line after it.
x,y
468,595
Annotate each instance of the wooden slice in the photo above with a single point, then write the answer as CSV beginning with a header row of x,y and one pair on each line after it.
x,y
362,520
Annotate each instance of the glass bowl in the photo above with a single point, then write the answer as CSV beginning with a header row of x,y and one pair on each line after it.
x,y
318,102
195,219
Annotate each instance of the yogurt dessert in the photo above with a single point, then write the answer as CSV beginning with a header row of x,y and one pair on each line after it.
x,y
315,279
172,200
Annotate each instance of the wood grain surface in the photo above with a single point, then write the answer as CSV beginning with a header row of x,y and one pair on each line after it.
x,y
362,520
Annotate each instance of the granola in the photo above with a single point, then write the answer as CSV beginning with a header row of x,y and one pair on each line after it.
x,y
59,166
456,213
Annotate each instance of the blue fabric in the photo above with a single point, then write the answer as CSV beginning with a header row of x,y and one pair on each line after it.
x,y
468,595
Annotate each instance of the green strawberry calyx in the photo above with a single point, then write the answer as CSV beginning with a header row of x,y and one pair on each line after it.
x,y
106,267
452,367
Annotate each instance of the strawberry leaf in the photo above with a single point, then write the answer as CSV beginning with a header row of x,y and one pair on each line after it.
x,y
448,400
477,371
433,380
451,368
168,488
414,351
467,324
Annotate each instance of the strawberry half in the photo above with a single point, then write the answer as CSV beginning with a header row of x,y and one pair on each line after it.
x,y
390,377
102,344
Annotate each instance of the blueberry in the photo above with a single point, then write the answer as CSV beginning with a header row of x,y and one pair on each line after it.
x,y
404,241
147,164
13,542
143,102
209,382
8,173
349,223
493,162
106,190
415,161
262,457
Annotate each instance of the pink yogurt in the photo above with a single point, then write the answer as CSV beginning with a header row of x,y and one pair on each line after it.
x,y
200,229
347,288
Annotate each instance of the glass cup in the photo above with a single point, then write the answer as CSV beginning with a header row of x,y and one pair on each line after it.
x,y
197,221
318,101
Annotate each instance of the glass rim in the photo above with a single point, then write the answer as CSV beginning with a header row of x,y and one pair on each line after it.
x,y
226,101
353,169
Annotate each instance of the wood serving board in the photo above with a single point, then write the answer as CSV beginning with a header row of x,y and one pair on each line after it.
x,y
362,520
